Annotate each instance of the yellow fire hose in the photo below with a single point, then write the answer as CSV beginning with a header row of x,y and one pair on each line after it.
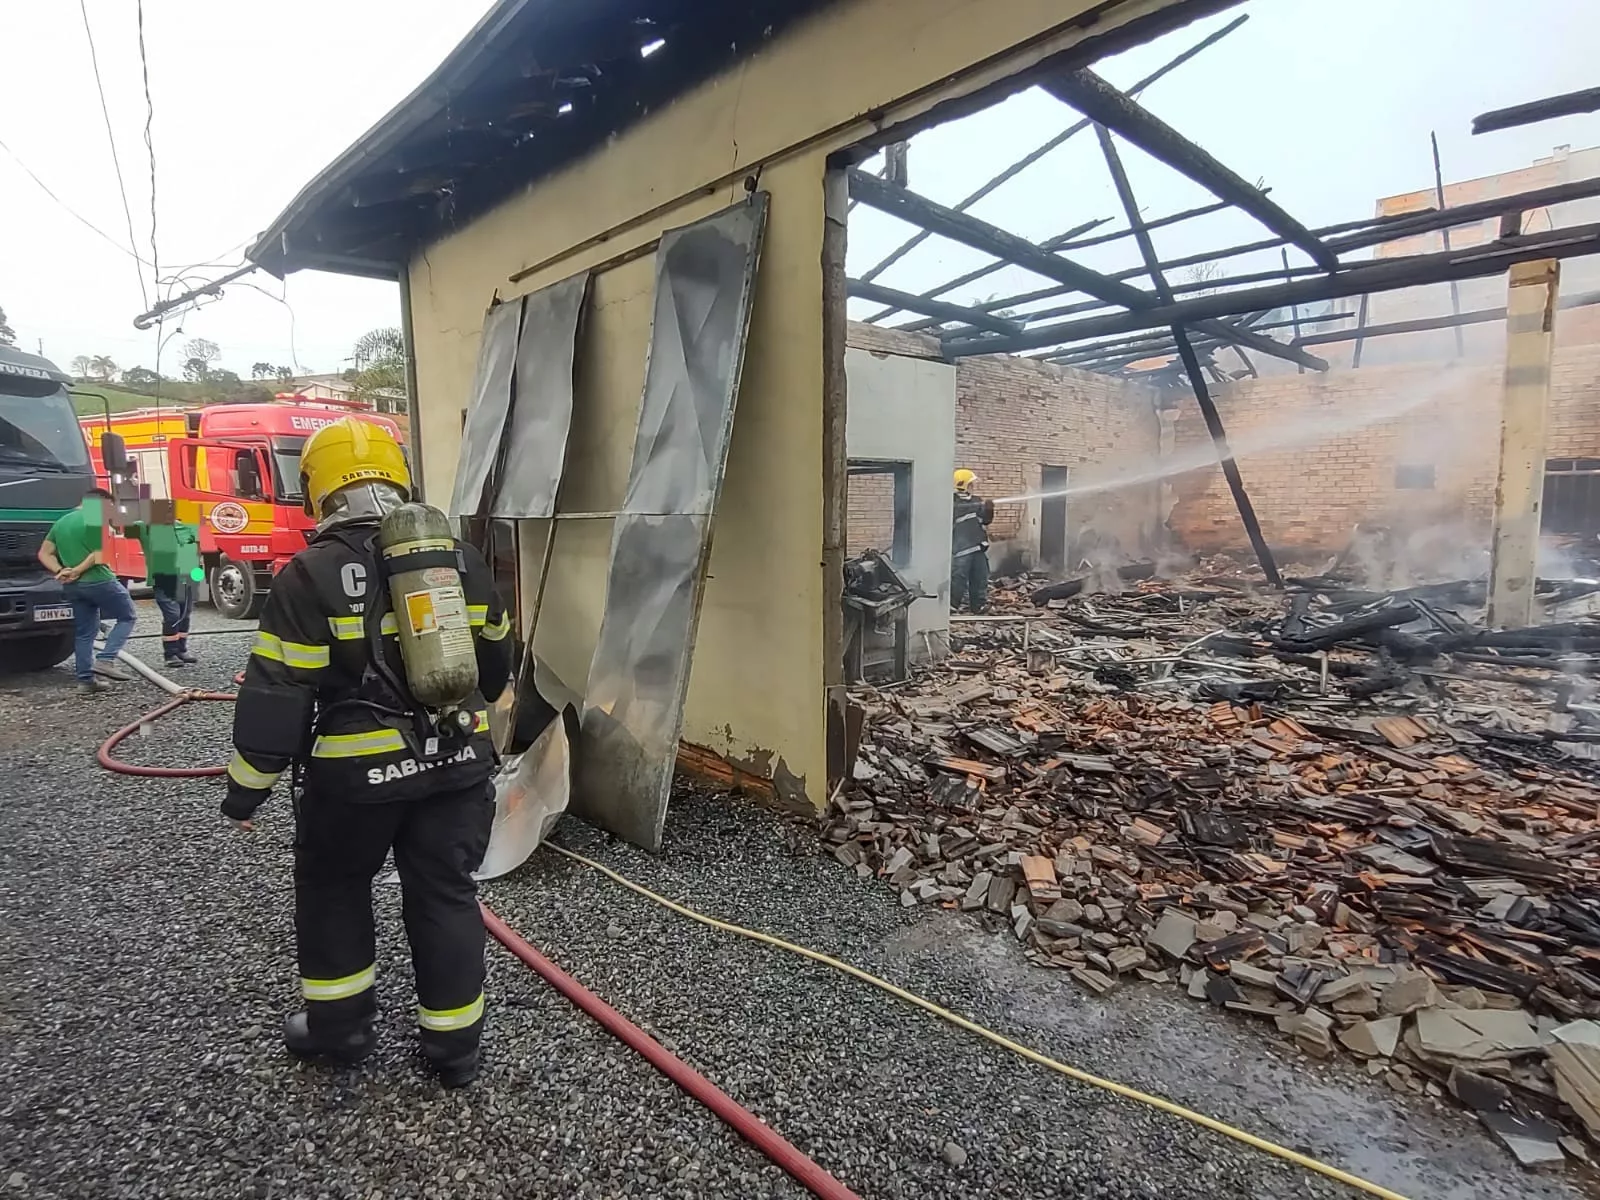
x,y
944,1014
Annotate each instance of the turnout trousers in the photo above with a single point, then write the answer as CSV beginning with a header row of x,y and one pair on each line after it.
x,y
438,841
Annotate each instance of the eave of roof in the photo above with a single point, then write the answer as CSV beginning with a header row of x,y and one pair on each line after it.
x,y
535,84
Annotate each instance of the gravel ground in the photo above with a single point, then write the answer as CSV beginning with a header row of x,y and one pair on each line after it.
x,y
146,960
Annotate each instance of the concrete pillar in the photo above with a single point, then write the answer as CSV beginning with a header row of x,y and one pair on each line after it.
x,y
1519,487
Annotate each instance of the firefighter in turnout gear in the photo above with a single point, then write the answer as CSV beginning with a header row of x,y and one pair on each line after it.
x,y
326,696
969,545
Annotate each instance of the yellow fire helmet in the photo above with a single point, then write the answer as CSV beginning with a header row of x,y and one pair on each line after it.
x,y
345,452
965,479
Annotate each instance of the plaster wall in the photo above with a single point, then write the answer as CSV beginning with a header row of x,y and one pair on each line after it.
x,y
904,410
756,692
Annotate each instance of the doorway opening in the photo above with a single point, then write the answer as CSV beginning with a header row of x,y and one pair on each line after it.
x,y
1053,517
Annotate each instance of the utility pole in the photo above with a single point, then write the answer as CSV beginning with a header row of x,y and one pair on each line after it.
x,y
1519,485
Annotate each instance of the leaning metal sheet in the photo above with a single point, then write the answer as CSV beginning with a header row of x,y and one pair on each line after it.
x,y
704,273
633,705
486,413
541,417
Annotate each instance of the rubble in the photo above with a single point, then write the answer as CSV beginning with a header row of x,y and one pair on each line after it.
x,y
1201,777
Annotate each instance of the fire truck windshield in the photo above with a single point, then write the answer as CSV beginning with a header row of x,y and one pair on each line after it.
x,y
286,465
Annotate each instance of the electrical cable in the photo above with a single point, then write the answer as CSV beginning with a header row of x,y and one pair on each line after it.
x,y
116,162
149,142
72,212
294,353
944,1014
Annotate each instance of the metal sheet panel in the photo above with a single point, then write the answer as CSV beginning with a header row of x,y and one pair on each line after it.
x,y
633,705
541,415
704,273
633,710
487,409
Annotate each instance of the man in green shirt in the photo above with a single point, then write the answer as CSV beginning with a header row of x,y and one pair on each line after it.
x,y
73,551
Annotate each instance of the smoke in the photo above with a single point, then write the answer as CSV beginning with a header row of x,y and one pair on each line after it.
x,y
1295,431
1408,550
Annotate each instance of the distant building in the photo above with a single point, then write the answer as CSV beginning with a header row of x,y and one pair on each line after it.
x,y
1480,342
341,391
1484,341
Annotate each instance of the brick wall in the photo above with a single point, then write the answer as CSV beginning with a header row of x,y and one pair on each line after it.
x,y
870,514
1316,462
877,339
1016,415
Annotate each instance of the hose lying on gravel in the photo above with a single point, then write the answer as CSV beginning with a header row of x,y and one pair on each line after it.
x,y
111,763
781,1152
743,1122
740,1119
1118,1089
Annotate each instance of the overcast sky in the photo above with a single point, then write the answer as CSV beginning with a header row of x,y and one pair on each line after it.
x,y
1329,101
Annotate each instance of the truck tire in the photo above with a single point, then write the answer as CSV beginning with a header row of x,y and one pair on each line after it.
x,y
234,591
36,653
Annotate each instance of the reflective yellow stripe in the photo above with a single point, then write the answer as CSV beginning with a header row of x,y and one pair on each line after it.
x,y
499,629
483,721
388,624
357,745
268,645
347,629
477,614
339,989
443,1020
290,654
245,775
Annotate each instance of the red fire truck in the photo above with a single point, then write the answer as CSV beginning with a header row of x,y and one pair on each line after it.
x,y
233,472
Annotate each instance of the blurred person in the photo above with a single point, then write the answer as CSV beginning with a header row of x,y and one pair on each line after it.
x,y
73,551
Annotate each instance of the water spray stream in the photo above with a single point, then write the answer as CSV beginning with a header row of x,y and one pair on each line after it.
x,y
1285,436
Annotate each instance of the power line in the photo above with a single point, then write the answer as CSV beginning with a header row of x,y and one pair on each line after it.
x,y
149,143
224,260
72,212
294,354
116,162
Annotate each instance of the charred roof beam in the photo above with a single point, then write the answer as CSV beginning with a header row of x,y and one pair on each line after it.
x,y
991,239
973,276
1105,105
1565,105
1191,358
1046,147
860,289
1379,275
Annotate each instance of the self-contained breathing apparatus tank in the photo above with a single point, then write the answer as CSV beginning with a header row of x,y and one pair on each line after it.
x,y
430,613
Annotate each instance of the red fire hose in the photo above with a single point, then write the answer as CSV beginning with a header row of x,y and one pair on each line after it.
x,y
127,731
740,1119
743,1122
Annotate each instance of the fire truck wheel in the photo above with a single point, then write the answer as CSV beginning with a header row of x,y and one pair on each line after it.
x,y
234,591
37,653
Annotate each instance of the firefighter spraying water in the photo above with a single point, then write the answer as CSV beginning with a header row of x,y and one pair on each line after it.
x,y
367,681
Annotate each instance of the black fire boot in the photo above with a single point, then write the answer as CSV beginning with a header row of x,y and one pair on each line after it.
x,y
456,1073
350,1049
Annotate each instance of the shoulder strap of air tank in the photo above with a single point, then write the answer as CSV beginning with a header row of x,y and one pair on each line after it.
x,y
424,557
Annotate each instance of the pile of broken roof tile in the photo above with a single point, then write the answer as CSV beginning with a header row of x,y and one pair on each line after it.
x,y
1382,881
